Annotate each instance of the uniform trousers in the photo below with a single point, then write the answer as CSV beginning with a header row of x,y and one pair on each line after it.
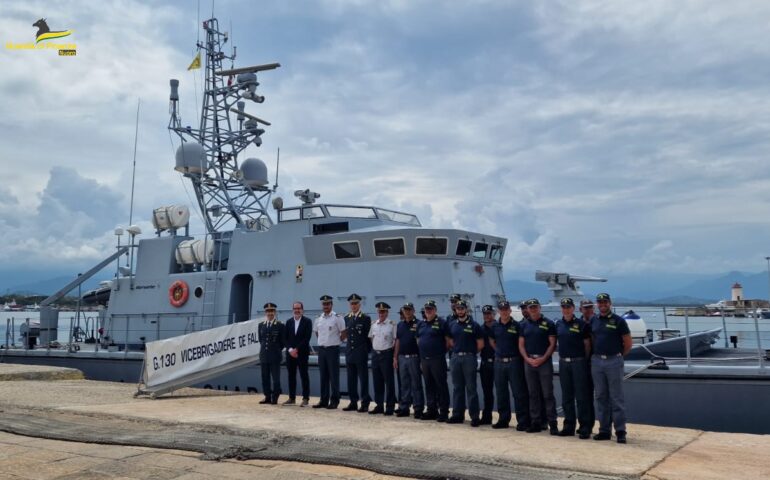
x,y
271,369
410,379
292,365
487,374
464,385
383,379
540,386
608,385
329,364
575,388
509,380
434,372
358,373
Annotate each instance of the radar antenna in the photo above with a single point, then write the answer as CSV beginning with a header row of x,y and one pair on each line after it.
x,y
229,192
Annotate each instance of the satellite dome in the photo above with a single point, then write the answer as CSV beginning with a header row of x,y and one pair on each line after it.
x,y
254,172
190,158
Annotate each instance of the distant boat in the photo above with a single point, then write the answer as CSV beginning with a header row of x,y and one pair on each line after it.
x,y
13,307
764,313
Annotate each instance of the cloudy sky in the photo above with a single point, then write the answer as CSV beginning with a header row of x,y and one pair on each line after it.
x,y
601,138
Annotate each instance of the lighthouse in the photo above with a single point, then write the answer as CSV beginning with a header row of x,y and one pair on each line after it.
x,y
737,292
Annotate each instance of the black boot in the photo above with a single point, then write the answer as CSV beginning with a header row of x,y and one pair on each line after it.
x,y
376,410
430,415
553,427
265,401
352,406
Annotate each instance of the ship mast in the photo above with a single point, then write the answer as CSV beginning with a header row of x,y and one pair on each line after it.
x,y
230,194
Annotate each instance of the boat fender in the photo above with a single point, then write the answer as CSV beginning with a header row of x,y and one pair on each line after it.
x,y
178,293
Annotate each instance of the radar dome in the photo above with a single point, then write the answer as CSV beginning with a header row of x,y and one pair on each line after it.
x,y
190,158
254,172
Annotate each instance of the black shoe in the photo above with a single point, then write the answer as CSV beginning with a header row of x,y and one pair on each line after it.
x,y
500,425
274,401
321,405
290,401
567,433
475,422
522,428
602,436
265,401
378,409
388,412
584,435
486,420
454,419
621,437
333,406
363,408
352,407
429,415
534,429
443,418
402,413
553,428
418,414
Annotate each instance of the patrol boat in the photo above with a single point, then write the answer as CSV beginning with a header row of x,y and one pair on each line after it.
x,y
174,283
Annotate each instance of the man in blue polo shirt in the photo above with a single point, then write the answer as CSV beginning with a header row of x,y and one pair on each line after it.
x,y
537,343
573,337
611,342
487,367
408,364
432,343
466,340
509,371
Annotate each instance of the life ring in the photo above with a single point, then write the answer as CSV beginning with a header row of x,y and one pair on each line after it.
x,y
178,293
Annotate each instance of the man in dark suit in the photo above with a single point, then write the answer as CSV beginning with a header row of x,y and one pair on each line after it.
x,y
271,341
297,333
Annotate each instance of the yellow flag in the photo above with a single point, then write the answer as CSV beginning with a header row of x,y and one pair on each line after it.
x,y
196,63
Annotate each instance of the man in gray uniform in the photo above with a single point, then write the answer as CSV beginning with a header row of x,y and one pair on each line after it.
x,y
383,337
330,330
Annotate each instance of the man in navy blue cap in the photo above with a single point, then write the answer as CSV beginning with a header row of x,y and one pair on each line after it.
x,y
611,342
383,337
509,371
330,330
487,367
357,324
466,340
573,337
432,342
270,333
408,364
587,315
537,343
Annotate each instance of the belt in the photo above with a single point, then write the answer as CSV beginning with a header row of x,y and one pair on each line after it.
x,y
490,360
605,357
463,354
572,359
330,346
414,355
533,355
380,352
506,359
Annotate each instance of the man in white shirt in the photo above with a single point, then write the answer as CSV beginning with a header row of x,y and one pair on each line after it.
x,y
330,330
383,335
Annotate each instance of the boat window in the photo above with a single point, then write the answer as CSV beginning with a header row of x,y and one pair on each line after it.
x,y
496,253
431,246
288,215
344,250
480,250
351,212
398,217
463,248
386,247
332,227
312,212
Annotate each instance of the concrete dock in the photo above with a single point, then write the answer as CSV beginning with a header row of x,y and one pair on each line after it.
x,y
193,432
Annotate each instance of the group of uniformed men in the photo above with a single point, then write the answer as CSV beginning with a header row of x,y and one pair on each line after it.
x,y
515,361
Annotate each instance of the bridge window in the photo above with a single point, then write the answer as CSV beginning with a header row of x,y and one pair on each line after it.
x,y
398,217
312,212
496,253
480,250
463,248
431,246
288,215
345,250
351,212
387,247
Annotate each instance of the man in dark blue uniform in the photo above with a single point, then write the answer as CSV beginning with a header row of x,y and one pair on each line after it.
x,y
357,355
270,333
543,416
587,312
537,343
509,371
487,367
433,343
573,337
408,364
611,342
466,340
297,334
